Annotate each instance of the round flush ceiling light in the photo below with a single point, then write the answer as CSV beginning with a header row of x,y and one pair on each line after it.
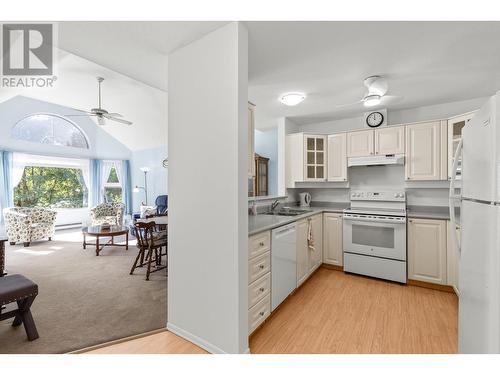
x,y
371,100
292,98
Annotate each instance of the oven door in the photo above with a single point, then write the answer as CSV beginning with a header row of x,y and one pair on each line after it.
x,y
380,236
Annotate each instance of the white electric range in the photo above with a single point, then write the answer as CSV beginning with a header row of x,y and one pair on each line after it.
x,y
374,235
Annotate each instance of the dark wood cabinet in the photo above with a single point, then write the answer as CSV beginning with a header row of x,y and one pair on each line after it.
x,y
261,179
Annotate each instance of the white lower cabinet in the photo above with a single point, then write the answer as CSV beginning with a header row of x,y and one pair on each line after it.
x,y
259,279
427,247
452,258
302,251
259,289
309,258
258,313
332,239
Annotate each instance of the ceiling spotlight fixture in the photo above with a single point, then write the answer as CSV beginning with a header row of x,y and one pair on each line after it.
x,y
292,98
371,100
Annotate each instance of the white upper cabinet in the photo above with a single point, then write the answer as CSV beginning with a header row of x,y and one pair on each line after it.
x,y
360,143
315,156
305,158
426,151
427,240
337,157
332,239
390,140
251,140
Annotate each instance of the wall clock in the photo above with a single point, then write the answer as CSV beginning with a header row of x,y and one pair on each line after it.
x,y
374,119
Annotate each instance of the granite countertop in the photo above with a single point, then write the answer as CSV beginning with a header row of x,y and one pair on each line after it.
x,y
260,223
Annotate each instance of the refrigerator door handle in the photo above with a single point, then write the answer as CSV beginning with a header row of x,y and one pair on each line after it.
x,y
454,197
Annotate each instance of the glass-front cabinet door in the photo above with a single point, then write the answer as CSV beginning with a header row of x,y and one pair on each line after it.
x,y
315,157
455,126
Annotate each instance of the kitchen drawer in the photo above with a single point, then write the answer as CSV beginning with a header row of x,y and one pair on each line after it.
x,y
258,244
259,289
259,266
259,313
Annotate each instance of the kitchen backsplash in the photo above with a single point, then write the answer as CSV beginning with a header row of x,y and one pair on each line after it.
x,y
376,177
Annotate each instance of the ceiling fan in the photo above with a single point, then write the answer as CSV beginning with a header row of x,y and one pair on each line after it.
x,y
375,95
100,113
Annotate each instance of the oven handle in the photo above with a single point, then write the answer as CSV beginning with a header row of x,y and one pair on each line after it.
x,y
401,220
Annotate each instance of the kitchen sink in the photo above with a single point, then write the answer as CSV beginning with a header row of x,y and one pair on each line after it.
x,y
287,211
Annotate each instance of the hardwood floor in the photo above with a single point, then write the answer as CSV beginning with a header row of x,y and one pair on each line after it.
x,y
334,312
158,343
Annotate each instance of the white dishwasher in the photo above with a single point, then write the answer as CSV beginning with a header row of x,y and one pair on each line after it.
x,y
283,263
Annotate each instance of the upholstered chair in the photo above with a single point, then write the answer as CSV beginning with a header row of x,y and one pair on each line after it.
x,y
28,224
111,213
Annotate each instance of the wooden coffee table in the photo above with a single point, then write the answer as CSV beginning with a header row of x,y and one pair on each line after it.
x,y
98,232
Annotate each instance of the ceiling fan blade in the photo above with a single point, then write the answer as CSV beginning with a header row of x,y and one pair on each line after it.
x,y
86,114
121,121
390,99
352,105
114,114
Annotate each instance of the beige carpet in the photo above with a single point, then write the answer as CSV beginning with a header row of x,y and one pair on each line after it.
x,y
83,300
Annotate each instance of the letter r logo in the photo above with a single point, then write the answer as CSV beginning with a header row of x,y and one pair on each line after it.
x,y
27,49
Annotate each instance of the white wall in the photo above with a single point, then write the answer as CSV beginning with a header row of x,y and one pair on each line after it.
x,y
157,175
101,144
208,221
76,87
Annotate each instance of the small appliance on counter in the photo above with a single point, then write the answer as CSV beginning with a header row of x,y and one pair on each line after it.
x,y
305,200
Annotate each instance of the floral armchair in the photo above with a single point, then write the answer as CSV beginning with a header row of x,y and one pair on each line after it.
x,y
28,224
111,213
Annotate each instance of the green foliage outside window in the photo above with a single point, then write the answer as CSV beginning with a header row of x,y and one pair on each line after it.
x,y
51,187
113,177
113,193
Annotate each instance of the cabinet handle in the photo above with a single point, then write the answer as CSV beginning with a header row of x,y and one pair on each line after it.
x,y
261,244
261,290
261,266
261,313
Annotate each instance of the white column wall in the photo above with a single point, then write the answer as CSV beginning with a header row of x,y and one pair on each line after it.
x,y
208,220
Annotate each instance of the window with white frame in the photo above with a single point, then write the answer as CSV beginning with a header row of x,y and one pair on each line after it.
x,y
49,129
112,182
43,181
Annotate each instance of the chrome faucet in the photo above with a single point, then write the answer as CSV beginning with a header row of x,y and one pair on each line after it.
x,y
275,204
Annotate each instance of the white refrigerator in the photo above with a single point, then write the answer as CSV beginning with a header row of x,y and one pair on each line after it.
x,y
479,243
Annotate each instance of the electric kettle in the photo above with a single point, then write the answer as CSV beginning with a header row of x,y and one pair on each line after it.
x,y
305,199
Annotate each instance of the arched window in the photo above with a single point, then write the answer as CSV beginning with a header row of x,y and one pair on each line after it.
x,y
49,129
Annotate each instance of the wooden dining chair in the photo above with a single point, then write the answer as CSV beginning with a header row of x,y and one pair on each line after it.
x,y
151,244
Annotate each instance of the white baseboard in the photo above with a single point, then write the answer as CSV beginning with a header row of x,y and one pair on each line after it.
x,y
197,340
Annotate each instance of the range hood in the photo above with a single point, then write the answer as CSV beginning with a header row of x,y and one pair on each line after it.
x,y
376,160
